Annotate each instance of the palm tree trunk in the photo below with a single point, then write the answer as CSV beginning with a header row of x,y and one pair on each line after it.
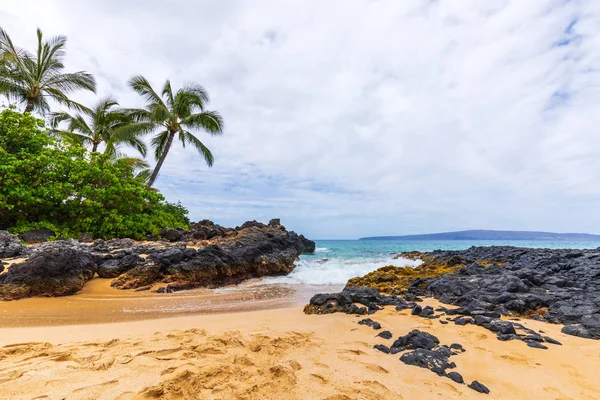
x,y
161,160
94,147
29,106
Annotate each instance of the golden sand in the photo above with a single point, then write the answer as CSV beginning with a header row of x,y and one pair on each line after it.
x,y
282,354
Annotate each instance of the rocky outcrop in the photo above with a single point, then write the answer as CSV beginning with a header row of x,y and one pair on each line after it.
x,y
54,269
559,286
230,256
371,299
10,246
254,251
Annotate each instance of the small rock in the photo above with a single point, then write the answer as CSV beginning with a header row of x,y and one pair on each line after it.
x,y
456,377
464,321
456,346
552,341
479,387
536,345
416,310
369,322
382,348
443,322
385,334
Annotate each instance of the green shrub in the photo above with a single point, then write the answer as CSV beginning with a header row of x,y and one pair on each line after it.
x,y
45,182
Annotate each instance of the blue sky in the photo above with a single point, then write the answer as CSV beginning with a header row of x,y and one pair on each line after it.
x,y
359,118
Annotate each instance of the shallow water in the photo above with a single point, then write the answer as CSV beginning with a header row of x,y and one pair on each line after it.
x,y
327,270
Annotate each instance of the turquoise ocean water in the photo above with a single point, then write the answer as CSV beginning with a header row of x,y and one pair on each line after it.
x,y
336,261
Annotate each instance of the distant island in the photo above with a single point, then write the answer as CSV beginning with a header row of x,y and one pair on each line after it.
x,y
491,235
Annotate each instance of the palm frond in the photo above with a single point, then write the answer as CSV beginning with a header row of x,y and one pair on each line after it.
x,y
168,93
202,149
72,81
142,87
209,121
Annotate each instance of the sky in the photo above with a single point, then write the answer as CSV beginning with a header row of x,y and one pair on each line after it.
x,y
351,118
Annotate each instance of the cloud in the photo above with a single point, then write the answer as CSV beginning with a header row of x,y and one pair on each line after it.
x,y
360,118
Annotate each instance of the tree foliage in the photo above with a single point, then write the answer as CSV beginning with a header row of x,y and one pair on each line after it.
x,y
32,79
174,114
47,182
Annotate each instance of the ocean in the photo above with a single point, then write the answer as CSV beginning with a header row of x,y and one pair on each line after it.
x,y
336,261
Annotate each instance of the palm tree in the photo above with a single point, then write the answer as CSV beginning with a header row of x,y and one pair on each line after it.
x,y
102,123
32,79
174,114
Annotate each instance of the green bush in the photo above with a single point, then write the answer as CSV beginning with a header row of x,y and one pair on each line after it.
x,y
46,182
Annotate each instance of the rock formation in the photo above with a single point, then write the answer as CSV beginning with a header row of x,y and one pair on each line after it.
x,y
222,256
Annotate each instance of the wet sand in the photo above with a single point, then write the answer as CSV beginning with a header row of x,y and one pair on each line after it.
x,y
99,303
282,354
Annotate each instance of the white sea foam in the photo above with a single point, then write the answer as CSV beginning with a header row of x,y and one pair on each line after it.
x,y
335,271
321,250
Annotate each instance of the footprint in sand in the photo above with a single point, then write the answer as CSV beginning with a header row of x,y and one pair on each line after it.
x,y
377,368
351,351
319,378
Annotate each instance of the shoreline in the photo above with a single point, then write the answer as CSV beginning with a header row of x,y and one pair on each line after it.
x,y
284,354
99,303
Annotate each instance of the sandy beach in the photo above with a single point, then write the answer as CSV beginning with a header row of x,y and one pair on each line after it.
x,y
282,354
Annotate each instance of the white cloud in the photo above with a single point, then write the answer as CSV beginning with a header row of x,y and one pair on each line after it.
x,y
354,118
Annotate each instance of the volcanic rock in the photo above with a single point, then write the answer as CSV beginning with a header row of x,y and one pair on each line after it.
x,y
55,269
10,245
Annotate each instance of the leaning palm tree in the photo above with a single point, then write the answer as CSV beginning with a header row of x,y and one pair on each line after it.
x,y
33,79
102,123
174,114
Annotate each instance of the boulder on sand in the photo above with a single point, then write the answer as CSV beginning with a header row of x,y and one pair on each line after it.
x,y
54,269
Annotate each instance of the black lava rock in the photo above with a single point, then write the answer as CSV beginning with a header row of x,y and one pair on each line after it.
x,y
479,387
415,339
535,344
456,377
382,348
429,359
385,334
369,322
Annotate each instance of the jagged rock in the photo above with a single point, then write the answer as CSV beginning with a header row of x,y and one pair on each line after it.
x,y
328,303
415,339
369,322
479,387
115,267
553,285
429,359
172,235
385,335
10,245
255,250
55,269
535,344
37,235
140,276
576,330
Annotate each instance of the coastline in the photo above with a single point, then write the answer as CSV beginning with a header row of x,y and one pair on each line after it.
x,y
99,303
282,353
